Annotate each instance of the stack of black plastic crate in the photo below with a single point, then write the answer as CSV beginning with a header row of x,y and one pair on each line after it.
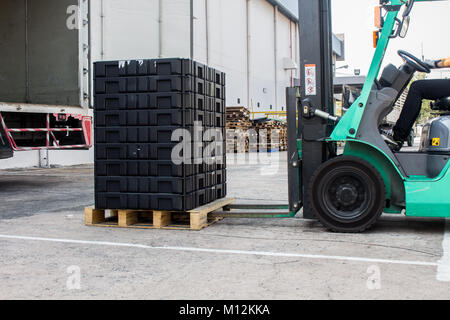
x,y
139,104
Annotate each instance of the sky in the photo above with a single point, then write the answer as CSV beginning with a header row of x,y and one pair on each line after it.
x,y
429,29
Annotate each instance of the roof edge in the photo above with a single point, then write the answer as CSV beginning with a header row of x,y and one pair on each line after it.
x,y
283,10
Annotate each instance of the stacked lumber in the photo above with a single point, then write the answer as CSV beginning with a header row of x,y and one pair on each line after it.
x,y
260,135
272,135
238,125
237,141
238,118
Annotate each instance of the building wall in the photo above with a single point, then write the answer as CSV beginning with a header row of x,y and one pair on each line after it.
x,y
249,40
139,29
220,40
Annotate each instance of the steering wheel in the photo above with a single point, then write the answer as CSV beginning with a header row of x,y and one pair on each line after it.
x,y
409,8
414,62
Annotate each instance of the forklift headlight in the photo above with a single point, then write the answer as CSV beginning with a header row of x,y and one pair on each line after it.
x,y
379,21
376,37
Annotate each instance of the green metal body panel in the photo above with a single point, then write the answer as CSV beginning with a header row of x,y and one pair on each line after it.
x,y
428,197
392,178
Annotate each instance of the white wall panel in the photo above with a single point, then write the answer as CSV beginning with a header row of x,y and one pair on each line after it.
x,y
284,50
127,30
176,28
227,35
200,31
262,61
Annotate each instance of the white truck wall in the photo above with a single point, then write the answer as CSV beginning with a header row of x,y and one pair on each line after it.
x,y
40,53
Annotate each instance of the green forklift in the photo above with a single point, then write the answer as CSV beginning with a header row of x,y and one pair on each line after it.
x,y
347,191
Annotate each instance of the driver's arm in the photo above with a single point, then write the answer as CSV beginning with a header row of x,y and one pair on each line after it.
x,y
443,63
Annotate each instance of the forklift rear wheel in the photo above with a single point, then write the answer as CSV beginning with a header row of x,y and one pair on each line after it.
x,y
347,194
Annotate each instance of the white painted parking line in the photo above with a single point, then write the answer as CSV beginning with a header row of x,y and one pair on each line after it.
x,y
443,273
222,251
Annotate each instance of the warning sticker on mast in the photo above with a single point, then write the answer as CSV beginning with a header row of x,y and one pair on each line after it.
x,y
310,80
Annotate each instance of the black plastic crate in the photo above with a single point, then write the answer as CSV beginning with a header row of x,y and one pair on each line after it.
x,y
221,176
146,201
215,149
200,166
157,134
210,164
219,77
221,132
137,151
221,163
219,91
115,85
170,67
129,168
124,118
145,67
219,106
167,100
200,70
148,84
221,147
200,181
166,84
211,194
116,102
210,72
155,185
199,86
210,104
200,102
209,88
173,117
201,198
160,117
199,116
221,191
209,119
105,69
138,106
220,120
211,179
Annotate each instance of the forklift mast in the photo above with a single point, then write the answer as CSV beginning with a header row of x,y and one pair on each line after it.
x,y
306,132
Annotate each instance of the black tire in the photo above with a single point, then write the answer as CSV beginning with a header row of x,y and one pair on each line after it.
x,y
347,194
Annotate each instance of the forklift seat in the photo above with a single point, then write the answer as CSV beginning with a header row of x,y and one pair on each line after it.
x,y
442,104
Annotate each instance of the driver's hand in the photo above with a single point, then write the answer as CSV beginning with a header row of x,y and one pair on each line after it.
x,y
445,63
432,64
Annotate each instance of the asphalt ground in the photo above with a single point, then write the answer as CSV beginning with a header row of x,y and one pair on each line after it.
x,y
46,251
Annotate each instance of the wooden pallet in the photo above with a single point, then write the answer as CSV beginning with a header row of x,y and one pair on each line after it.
x,y
196,219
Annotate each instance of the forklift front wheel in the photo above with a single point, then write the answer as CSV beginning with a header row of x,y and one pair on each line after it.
x,y
347,194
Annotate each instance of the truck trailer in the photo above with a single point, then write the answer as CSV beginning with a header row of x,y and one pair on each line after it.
x,y
44,76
